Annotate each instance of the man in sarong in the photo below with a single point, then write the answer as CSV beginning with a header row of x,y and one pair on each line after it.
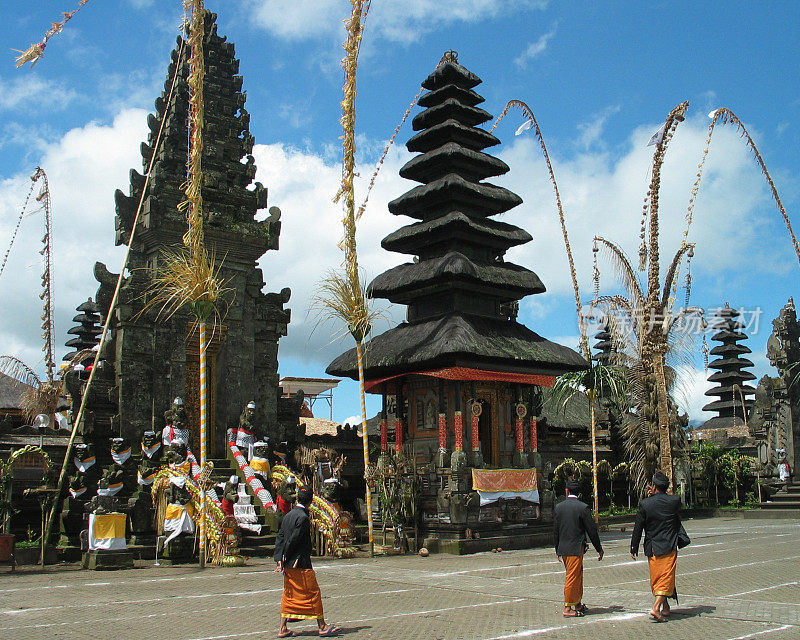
x,y
301,599
573,524
658,517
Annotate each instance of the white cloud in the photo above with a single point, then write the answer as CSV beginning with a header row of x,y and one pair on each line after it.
x,y
689,393
534,49
395,20
602,194
34,93
591,132
84,167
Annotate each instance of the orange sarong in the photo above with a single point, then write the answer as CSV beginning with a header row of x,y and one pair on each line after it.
x,y
662,573
573,584
302,599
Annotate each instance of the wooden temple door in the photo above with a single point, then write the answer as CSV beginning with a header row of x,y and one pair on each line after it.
x,y
488,427
215,338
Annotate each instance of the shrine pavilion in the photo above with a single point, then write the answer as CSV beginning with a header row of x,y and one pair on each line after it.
x,y
461,349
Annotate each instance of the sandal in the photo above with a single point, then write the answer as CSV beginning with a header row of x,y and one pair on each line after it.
x,y
582,608
288,634
332,630
573,614
654,617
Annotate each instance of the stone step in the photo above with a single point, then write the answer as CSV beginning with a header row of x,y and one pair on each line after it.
x,y
782,504
786,497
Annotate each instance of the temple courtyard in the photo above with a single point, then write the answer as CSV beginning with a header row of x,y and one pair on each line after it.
x,y
739,579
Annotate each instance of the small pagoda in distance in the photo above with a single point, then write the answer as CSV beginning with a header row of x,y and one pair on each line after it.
x,y
731,378
87,332
461,347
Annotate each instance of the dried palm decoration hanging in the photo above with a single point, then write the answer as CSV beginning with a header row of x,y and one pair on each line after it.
x,y
724,116
36,50
40,396
341,295
531,123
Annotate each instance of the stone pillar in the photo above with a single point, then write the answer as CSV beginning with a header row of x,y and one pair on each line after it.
x,y
398,434
475,434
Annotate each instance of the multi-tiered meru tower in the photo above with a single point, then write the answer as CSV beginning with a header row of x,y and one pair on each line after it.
x,y
461,347
733,392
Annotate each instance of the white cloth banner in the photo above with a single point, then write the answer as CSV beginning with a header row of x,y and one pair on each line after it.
x,y
177,526
104,544
487,497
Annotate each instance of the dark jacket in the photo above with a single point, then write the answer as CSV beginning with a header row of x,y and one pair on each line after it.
x,y
659,518
293,544
572,524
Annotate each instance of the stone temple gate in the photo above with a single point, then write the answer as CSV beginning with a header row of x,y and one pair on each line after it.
x,y
150,360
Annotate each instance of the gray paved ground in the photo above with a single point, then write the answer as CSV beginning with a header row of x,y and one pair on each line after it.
x,y
739,579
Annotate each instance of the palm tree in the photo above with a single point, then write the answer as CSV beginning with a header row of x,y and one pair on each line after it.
x,y
649,309
599,380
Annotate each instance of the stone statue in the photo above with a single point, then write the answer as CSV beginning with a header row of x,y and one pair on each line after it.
x,y
105,500
246,434
151,446
287,494
177,453
259,461
177,423
230,495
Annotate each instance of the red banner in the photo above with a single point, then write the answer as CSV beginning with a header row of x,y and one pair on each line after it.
x,y
495,480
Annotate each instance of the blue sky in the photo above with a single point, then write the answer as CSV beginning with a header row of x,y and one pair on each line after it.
x,y
600,78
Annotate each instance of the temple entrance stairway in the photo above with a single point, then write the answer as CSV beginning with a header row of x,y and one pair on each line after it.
x,y
253,545
786,499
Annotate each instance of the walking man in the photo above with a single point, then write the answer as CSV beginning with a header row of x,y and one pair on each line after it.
x,y
663,534
301,599
573,524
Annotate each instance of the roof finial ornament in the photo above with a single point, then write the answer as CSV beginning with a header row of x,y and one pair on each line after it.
x,y
450,56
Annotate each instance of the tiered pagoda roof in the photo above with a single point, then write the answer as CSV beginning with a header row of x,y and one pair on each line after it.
x,y
604,345
459,289
730,375
87,332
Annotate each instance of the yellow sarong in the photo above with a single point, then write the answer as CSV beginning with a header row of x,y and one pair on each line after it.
x,y
573,584
302,599
662,573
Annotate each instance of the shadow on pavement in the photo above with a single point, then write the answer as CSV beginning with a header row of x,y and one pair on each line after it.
x,y
691,612
596,611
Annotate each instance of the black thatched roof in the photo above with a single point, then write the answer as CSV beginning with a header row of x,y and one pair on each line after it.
x,y
451,131
455,226
450,73
510,280
11,392
452,193
450,157
459,341
460,291
732,391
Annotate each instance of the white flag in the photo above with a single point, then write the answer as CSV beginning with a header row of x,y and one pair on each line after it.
x,y
528,124
713,113
657,136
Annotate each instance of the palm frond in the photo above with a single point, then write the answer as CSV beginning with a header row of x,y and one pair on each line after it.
x,y
17,369
622,265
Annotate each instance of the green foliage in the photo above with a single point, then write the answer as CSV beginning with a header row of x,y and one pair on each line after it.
x,y
598,380
732,467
